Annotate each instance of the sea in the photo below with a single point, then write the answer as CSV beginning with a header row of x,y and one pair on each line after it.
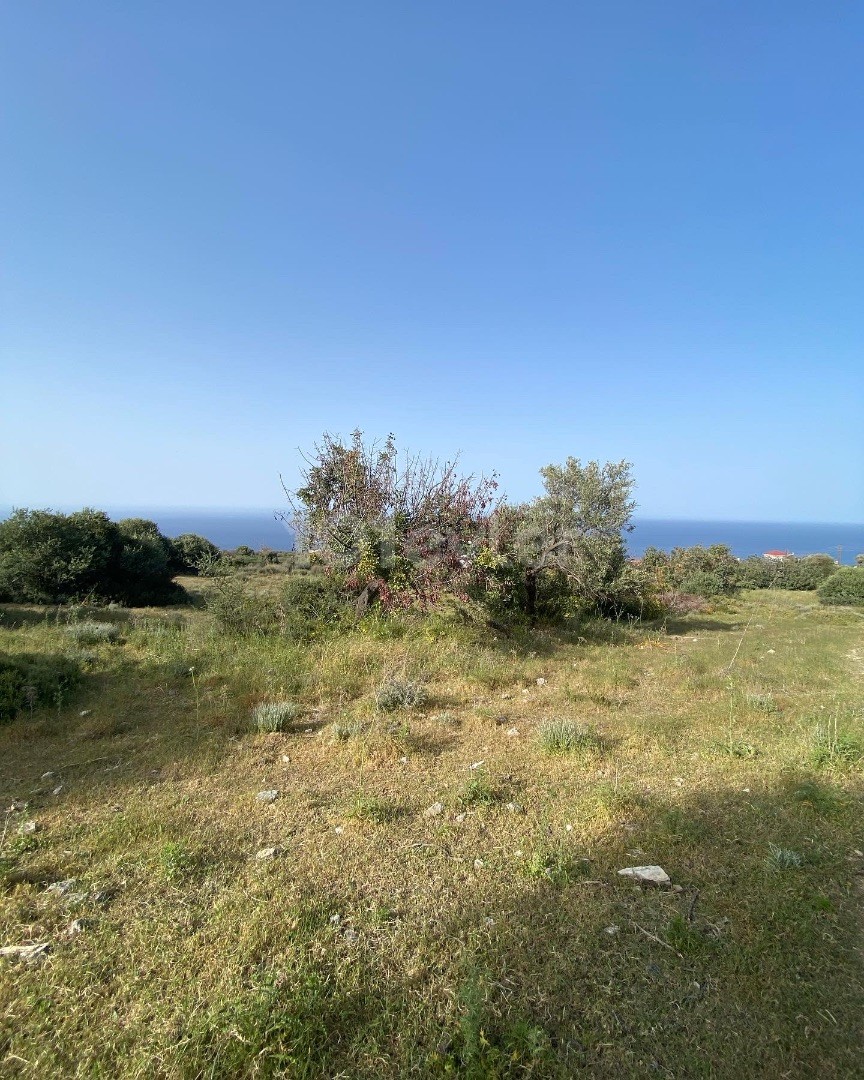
x,y
264,528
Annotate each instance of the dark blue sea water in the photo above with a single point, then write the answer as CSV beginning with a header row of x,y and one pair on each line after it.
x,y
261,528
750,537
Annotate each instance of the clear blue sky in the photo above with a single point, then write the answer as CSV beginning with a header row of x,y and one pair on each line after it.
x,y
519,230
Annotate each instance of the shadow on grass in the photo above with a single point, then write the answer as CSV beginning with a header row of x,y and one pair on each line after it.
x,y
551,966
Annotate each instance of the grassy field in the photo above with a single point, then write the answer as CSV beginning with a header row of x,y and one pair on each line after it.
x,y
434,890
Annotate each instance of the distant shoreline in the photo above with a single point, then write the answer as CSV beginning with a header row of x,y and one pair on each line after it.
x,y
261,528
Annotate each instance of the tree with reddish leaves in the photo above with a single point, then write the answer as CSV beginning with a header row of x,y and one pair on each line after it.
x,y
401,527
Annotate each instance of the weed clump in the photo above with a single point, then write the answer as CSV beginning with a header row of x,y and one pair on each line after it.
x,y
561,736
400,694
831,746
274,715
780,858
93,633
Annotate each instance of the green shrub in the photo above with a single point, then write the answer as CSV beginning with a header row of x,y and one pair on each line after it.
x,y
845,586
50,558
93,633
400,694
807,572
275,715
193,554
698,571
314,605
237,610
29,680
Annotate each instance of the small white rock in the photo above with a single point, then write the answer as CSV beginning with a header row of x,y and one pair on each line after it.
x,y
57,789
339,830
85,712
74,927
476,764
61,888
611,930
46,775
435,810
28,953
460,818
478,864
267,853
652,875
541,682
515,808
30,827
513,731
269,796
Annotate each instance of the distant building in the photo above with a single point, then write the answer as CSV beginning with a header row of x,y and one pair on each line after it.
x,y
778,555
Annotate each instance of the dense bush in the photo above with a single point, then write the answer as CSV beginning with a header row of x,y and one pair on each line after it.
x,y
193,554
697,571
52,558
313,605
846,586
807,572
29,680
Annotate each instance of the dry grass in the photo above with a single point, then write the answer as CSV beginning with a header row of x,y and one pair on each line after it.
x,y
491,938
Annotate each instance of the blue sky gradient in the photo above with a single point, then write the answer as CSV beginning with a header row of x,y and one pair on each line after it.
x,y
519,231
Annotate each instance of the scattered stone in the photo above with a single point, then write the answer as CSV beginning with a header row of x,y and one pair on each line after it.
x,y
268,853
488,921
502,720
478,864
770,652
269,796
335,919
75,927
350,935
27,953
513,731
677,888
611,930
286,759
46,775
61,888
476,764
85,712
339,830
515,808
435,810
29,827
650,875
541,682
16,806
460,818
57,789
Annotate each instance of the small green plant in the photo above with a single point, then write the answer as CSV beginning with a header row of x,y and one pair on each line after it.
x,y
762,702
833,746
93,633
400,694
176,860
781,858
561,736
737,748
819,798
274,715
346,729
479,791
445,719
555,865
372,808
